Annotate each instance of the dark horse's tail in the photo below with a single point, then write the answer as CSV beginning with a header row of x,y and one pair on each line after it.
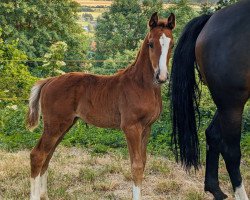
x,y
185,95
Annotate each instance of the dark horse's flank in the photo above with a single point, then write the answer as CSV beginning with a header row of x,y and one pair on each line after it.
x,y
220,45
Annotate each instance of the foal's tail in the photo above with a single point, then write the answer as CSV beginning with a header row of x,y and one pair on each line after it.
x,y
185,95
34,104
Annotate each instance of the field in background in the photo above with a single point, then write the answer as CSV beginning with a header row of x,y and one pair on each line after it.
x,y
76,174
96,8
93,3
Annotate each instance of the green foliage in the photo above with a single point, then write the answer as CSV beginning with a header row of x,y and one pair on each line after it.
x,y
119,61
223,3
13,134
151,6
15,79
123,26
246,132
39,24
206,8
90,136
88,17
53,60
183,13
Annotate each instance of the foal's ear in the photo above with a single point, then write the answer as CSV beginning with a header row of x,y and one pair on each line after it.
x,y
171,21
153,20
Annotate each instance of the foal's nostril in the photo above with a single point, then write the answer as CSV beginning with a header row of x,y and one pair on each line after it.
x,y
157,75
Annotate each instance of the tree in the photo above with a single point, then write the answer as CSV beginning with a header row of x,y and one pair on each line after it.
x,y
116,63
39,24
15,79
206,8
223,3
184,13
151,6
53,60
123,26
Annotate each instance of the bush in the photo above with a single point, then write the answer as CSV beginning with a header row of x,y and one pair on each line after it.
x,y
15,79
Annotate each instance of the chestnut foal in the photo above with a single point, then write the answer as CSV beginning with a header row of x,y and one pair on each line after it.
x,y
129,100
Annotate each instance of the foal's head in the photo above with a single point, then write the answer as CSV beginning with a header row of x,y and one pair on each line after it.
x,y
160,44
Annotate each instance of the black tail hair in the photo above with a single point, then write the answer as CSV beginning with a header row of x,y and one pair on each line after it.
x,y
185,95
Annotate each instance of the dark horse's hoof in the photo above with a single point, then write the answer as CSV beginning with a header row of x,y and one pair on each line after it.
x,y
216,192
221,197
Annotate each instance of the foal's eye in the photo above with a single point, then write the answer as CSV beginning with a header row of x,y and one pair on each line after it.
x,y
151,45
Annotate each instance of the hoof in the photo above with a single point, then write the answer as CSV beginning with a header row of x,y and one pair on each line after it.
x,y
221,197
216,192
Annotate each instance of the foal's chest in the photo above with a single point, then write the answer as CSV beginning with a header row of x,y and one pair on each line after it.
x,y
145,107
155,114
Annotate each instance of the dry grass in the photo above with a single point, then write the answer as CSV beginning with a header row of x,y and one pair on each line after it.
x,y
75,174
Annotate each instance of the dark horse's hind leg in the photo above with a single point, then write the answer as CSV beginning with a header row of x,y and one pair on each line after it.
x,y
231,133
230,108
213,137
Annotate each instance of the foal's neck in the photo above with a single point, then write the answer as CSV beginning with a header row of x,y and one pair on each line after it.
x,y
142,70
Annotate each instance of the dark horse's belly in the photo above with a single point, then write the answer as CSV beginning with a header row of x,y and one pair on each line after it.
x,y
223,49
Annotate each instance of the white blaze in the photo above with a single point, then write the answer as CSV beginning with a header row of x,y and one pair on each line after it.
x,y
240,193
136,193
164,41
35,188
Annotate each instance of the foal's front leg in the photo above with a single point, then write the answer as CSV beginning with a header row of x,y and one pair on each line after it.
x,y
134,140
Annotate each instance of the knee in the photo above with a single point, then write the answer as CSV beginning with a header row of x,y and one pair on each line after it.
x,y
36,158
137,168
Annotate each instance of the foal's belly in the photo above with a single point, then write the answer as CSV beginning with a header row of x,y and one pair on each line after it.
x,y
101,118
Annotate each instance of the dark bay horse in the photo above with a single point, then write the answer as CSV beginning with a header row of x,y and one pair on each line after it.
x,y
220,46
129,100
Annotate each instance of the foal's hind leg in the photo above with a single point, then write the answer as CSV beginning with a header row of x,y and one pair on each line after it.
x,y
44,172
53,133
213,137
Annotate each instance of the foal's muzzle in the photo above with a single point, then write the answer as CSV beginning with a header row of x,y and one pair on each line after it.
x,y
160,78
